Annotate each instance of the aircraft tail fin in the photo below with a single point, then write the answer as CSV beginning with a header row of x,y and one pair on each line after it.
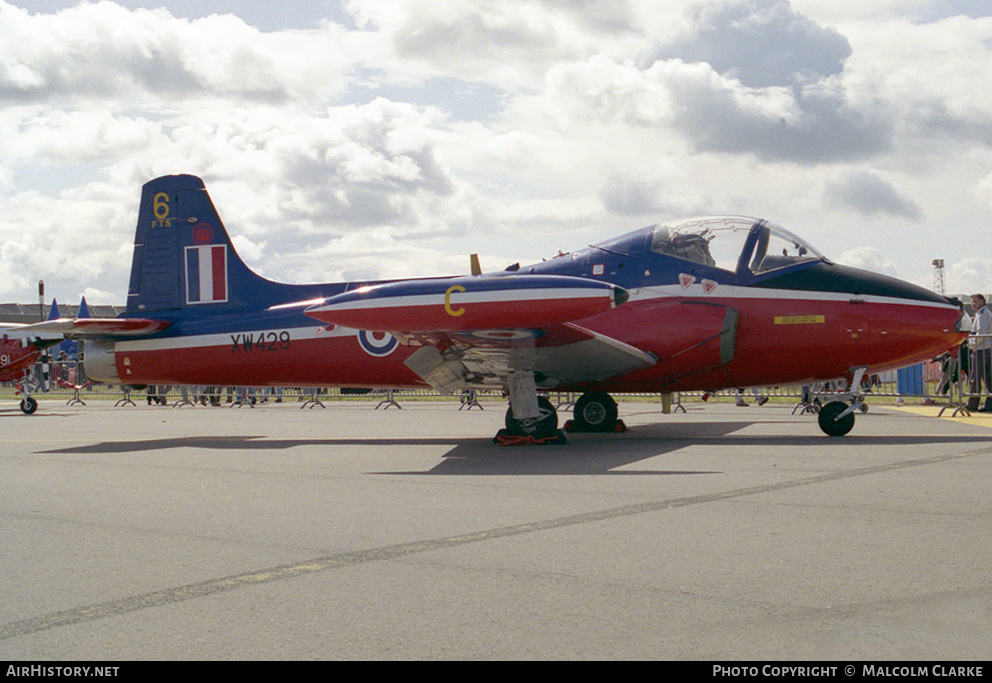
x,y
54,313
183,256
84,309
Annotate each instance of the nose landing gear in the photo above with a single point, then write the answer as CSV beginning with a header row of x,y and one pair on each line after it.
x,y
29,405
836,418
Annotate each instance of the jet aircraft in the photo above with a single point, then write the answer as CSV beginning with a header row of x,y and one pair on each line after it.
x,y
700,304
19,351
16,358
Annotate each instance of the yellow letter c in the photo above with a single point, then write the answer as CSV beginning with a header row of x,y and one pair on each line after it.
x,y
447,301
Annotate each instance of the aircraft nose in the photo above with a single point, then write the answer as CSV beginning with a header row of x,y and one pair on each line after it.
x,y
913,324
879,321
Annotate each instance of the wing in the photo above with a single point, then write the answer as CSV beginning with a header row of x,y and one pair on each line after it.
x,y
559,355
92,327
475,331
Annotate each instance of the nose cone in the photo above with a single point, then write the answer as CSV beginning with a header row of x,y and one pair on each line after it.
x,y
880,321
927,331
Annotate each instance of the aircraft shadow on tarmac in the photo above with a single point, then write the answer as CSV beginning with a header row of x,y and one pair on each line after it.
x,y
583,454
605,454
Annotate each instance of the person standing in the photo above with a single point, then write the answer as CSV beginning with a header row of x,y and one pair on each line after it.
x,y
981,353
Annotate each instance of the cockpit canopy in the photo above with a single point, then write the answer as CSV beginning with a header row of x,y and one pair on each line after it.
x,y
733,243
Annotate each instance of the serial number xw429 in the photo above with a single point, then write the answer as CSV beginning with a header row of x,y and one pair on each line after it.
x,y
259,341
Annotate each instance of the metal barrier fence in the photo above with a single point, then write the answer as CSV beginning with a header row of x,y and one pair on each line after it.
x,y
975,375
963,382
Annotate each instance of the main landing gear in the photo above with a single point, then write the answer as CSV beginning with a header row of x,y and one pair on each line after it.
x,y
540,429
593,412
530,419
837,417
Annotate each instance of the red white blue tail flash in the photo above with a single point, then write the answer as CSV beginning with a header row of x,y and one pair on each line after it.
x,y
206,274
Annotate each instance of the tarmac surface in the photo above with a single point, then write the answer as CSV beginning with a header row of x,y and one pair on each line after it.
x,y
722,533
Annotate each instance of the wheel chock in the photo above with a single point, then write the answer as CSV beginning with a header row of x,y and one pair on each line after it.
x,y
504,438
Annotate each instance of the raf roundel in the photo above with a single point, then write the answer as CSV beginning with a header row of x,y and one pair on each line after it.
x,y
377,346
203,233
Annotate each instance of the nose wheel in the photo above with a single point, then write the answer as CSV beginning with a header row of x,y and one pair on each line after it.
x,y
836,418
29,405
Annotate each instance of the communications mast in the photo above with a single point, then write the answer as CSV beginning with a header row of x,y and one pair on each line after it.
x,y
938,276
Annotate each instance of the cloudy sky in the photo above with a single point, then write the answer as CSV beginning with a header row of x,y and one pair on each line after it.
x,y
355,139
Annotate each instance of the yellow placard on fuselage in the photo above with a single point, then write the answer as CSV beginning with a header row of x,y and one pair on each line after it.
x,y
800,319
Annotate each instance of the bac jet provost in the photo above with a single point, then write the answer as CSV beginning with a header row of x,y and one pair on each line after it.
x,y
17,356
701,304
20,351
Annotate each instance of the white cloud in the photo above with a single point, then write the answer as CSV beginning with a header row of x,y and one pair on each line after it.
x,y
510,43
99,297
70,137
869,258
925,75
761,43
983,191
870,194
16,262
102,51
970,276
808,123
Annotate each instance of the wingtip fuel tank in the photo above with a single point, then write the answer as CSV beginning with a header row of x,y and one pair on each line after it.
x,y
469,303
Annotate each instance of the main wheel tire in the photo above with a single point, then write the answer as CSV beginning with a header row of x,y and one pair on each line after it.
x,y
28,405
540,427
595,412
829,422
